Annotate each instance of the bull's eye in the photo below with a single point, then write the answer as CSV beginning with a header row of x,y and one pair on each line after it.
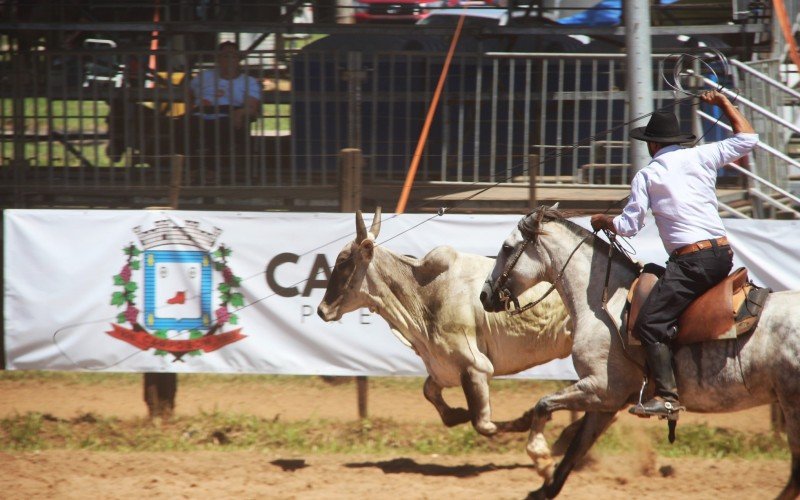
x,y
507,248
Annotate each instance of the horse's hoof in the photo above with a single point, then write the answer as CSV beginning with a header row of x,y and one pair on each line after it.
x,y
546,468
537,495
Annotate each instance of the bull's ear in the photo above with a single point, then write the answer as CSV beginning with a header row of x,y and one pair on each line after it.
x,y
367,247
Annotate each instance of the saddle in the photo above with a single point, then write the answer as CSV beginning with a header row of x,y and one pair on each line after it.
x,y
729,309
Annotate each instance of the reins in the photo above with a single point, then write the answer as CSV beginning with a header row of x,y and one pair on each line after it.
x,y
612,239
510,301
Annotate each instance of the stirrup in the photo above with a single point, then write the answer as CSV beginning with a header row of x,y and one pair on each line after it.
x,y
670,410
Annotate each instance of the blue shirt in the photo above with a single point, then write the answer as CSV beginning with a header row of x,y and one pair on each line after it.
x,y
207,85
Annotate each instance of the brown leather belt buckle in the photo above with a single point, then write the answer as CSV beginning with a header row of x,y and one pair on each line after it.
x,y
700,245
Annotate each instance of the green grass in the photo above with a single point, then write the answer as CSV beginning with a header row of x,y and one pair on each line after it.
x,y
226,431
229,431
713,442
232,431
206,379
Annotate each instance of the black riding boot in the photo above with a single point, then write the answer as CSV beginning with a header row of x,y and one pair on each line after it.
x,y
665,402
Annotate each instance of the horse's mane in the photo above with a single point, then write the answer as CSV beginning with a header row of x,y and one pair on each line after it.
x,y
531,223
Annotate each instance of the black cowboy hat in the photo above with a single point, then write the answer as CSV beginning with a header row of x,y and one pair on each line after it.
x,y
663,127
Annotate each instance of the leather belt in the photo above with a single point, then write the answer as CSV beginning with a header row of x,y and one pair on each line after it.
x,y
700,245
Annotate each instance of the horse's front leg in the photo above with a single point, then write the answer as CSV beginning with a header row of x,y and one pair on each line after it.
x,y
591,426
450,416
580,397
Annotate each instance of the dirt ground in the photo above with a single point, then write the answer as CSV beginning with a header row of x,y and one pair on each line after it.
x,y
274,474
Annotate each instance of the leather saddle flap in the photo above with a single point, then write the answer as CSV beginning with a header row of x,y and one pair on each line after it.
x,y
713,314
730,308
640,289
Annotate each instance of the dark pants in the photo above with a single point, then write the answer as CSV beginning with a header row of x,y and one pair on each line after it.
x,y
686,278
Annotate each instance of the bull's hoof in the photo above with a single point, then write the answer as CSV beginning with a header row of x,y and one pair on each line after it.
x,y
456,416
485,428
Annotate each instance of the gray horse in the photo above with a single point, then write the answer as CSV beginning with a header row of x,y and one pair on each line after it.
x,y
719,376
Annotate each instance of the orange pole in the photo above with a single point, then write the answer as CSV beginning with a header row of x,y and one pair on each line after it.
x,y
423,136
783,18
153,46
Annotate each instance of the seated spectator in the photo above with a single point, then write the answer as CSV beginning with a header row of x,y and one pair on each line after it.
x,y
225,100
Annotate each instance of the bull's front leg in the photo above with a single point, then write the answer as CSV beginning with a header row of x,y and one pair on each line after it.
x,y
450,416
476,390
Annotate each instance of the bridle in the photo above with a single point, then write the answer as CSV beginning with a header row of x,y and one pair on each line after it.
x,y
529,237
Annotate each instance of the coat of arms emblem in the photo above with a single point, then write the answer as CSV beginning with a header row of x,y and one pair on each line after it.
x,y
167,292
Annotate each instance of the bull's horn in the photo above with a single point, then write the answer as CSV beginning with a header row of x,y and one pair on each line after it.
x,y
555,206
376,223
361,228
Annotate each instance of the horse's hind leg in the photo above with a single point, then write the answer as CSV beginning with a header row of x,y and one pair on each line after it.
x,y
593,424
792,489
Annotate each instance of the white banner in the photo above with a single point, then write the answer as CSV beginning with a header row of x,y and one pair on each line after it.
x,y
141,290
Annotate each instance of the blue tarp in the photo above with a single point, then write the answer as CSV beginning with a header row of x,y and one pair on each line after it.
x,y
605,13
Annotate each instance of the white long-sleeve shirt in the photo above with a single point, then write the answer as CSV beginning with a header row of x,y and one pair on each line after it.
x,y
678,185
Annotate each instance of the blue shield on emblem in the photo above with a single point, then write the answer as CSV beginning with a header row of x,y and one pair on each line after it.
x,y
177,289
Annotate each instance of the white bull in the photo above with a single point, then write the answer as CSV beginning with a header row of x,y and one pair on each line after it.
x,y
432,305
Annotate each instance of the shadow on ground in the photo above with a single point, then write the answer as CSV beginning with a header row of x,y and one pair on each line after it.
x,y
410,466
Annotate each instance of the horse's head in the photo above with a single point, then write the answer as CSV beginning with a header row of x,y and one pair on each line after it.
x,y
345,292
521,262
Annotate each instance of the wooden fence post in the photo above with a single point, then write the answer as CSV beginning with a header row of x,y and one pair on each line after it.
x,y
159,393
533,168
160,388
350,167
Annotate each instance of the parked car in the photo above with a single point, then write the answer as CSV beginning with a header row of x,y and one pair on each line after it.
x,y
479,18
397,11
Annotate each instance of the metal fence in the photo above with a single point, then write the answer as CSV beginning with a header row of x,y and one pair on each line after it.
x,y
101,117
